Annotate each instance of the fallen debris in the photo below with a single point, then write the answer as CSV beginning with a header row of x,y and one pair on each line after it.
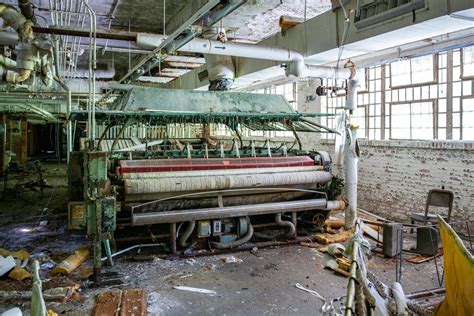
x,y
230,259
420,258
19,274
6,264
72,262
310,244
336,250
327,239
333,224
194,289
12,312
20,254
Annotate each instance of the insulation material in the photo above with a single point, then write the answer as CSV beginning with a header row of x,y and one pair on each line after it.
x,y
160,165
192,184
459,271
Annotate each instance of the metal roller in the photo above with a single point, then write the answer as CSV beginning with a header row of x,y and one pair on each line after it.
x,y
207,173
198,184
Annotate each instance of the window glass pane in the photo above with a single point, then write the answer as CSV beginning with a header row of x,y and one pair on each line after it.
x,y
400,72
422,69
468,61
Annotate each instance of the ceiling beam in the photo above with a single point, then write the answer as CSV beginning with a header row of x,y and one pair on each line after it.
x,y
148,61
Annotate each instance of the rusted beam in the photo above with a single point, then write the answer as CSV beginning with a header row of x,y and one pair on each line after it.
x,y
101,33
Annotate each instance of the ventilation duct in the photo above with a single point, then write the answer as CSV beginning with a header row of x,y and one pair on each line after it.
x,y
220,68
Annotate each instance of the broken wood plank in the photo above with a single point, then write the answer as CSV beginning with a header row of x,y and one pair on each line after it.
x,y
375,234
420,258
134,303
107,303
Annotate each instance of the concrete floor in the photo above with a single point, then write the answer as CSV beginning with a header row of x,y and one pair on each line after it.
x,y
263,283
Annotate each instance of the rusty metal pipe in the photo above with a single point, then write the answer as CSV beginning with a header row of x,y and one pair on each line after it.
x,y
291,228
186,234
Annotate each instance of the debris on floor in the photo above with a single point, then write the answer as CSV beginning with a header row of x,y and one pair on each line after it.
x,y
19,274
194,289
72,262
310,244
6,264
20,254
333,224
421,258
327,238
230,259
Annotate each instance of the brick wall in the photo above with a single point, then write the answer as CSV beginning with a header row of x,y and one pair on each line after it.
x,y
395,176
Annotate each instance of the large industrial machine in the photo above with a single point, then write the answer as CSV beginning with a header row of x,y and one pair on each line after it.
x,y
158,159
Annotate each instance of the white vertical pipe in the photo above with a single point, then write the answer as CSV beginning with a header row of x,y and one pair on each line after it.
x,y
351,158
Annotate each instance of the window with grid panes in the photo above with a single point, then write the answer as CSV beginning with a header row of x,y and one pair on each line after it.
x,y
411,120
413,71
467,65
468,118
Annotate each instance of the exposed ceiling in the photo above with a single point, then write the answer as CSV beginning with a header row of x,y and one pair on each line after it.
x,y
252,22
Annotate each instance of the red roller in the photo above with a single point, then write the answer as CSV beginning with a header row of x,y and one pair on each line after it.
x,y
159,165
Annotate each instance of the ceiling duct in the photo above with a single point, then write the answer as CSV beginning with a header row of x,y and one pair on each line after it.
x,y
220,68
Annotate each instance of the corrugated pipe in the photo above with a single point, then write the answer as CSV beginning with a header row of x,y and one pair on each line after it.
x,y
183,240
291,228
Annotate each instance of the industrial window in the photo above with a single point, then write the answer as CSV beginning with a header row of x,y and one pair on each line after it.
x,y
414,71
448,86
467,118
467,64
412,120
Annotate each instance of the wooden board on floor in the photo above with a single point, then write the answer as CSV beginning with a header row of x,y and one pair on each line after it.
x,y
134,303
107,303
124,303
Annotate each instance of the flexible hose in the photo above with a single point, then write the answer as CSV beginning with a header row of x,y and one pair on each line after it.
x,y
186,234
291,227
237,242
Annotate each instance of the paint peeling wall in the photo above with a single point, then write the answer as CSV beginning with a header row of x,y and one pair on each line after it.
x,y
395,176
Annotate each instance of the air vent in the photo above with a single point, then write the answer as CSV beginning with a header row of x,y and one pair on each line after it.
x,y
373,12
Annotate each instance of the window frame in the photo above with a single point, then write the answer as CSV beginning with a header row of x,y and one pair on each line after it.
x,y
434,107
411,85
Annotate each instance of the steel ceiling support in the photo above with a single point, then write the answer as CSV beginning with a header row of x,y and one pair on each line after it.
x,y
152,59
207,15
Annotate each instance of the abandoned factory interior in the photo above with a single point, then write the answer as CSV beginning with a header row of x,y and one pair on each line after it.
x,y
236,157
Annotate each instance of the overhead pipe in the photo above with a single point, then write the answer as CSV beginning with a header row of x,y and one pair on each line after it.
x,y
220,69
26,52
58,79
295,61
26,8
17,21
92,67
